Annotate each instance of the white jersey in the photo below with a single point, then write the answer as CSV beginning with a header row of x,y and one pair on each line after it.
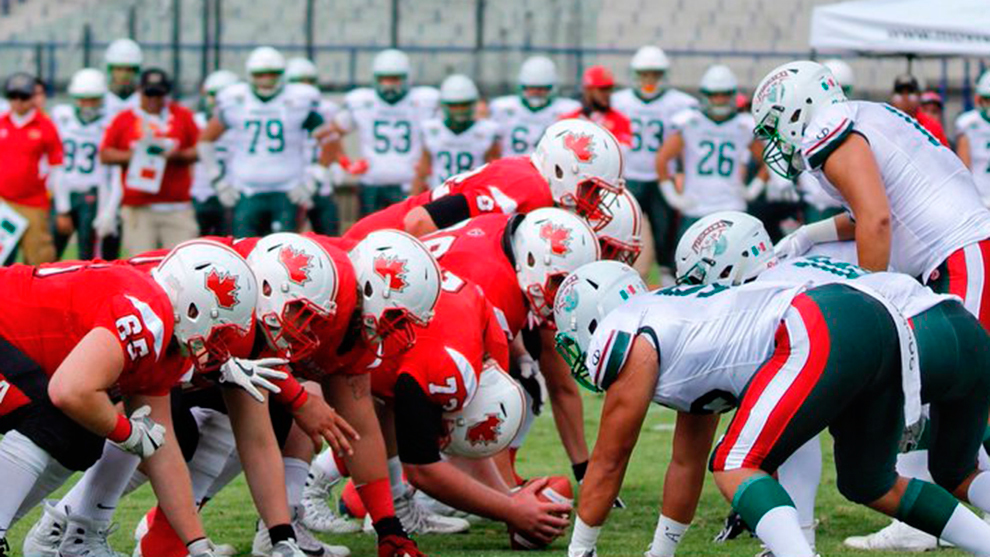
x,y
81,167
812,192
114,105
651,123
390,134
711,340
521,126
453,153
202,187
975,126
715,156
934,205
268,148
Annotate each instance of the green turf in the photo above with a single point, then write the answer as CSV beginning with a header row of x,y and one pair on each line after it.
x,y
230,518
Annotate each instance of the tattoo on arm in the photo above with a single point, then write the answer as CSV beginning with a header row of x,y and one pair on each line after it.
x,y
360,386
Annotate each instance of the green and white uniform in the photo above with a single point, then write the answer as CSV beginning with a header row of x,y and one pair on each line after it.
x,y
521,127
324,217
114,105
84,180
268,152
212,217
390,135
452,153
976,127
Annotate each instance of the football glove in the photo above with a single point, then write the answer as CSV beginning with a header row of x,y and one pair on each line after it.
x,y
227,193
251,374
146,436
676,200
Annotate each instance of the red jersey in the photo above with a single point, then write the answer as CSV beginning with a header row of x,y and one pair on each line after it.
x,y
474,251
448,355
127,128
933,126
50,308
612,120
21,150
510,185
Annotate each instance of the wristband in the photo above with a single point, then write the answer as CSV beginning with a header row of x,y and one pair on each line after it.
x,y
584,538
121,431
822,231
666,537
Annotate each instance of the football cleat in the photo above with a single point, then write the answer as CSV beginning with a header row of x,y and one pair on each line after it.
x,y
732,529
304,542
896,536
318,512
45,536
87,538
417,520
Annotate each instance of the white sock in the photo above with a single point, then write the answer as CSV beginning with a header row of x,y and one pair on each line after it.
x,y
21,464
296,471
780,530
979,492
914,465
230,471
800,475
216,443
395,477
96,495
53,477
967,531
327,465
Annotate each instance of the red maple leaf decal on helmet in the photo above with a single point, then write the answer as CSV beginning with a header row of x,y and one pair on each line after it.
x,y
392,270
484,432
580,144
559,238
224,288
297,263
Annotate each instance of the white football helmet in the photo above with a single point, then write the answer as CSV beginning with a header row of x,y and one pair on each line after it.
x,y
88,83
622,238
784,103
399,284
219,80
297,291
213,294
983,85
586,297
649,59
491,418
537,80
546,245
582,161
262,61
728,247
719,79
123,53
301,70
395,64
458,88
843,74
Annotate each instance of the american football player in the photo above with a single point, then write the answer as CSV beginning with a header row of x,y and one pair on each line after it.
x,y
123,58
212,217
816,347
597,85
973,138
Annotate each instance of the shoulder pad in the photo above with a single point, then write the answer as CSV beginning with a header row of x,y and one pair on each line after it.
x,y
966,119
362,96
826,131
62,112
234,94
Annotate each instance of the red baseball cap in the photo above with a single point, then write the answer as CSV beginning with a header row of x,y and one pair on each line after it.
x,y
598,77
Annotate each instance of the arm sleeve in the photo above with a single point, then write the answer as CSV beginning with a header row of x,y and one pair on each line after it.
x,y
448,210
418,423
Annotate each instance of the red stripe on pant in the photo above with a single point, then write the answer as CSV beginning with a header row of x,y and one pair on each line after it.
x,y
804,383
985,293
955,265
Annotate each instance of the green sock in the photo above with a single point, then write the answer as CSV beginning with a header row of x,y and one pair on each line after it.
x,y
757,496
926,506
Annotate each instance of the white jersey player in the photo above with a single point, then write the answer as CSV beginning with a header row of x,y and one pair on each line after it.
x,y
973,138
211,216
524,117
389,121
457,142
123,58
715,143
650,106
916,208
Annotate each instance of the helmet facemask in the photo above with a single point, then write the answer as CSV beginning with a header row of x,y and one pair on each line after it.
x,y
650,84
541,296
266,83
575,358
983,103
209,354
720,110
536,97
393,331
594,200
295,334
391,88
780,156
89,109
614,249
123,80
459,115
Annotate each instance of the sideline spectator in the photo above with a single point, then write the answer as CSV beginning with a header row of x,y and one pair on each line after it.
x,y
596,101
907,98
27,136
157,139
932,105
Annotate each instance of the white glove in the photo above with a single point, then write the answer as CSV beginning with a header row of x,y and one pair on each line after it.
x,y
754,188
146,436
105,222
782,191
251,374
677,201
303,192
227,193
794,244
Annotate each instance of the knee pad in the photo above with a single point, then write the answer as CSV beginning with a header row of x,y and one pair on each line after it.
x,y
15,447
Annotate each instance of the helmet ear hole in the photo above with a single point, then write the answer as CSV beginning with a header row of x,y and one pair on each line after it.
x,y
726,272
192,312
531,259
592,326
368,290
266,289
796,116
558,171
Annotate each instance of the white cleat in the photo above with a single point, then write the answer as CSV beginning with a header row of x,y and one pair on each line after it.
x,y
417,520
87,538
436,507
287,548
897,536
305,542
318,513
45,536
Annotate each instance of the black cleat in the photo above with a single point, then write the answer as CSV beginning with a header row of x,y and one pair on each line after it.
x,y
733,528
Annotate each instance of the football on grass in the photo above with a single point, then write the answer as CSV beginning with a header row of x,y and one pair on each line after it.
x,y
557,490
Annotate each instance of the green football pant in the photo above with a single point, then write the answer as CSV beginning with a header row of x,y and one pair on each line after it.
x,y
323,217
661,218
82,211
264,213
376,198
212,217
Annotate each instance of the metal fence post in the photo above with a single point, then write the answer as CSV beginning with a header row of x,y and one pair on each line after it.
x,y
310,30
176,53
39,54
87,44
217,33
395,24
204,58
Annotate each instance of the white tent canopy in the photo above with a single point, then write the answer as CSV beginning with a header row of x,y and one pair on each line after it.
x,y
904,27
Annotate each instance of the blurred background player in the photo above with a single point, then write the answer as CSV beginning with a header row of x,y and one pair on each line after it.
x,y
597,84
212,217
907,98
457,141
324,216
715,143
650,105
933,105
124,59
973,138
269,122
524,117
157,213
82,189
27,136
389,120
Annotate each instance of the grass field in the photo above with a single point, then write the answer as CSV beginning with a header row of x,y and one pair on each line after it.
x,y
231,516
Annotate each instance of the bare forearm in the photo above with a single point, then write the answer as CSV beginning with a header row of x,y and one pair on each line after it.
x,y
354,403
448,484
873,244
600,488
90,409
109,155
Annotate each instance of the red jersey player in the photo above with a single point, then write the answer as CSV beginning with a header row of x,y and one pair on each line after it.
x,y
596,104
577,165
